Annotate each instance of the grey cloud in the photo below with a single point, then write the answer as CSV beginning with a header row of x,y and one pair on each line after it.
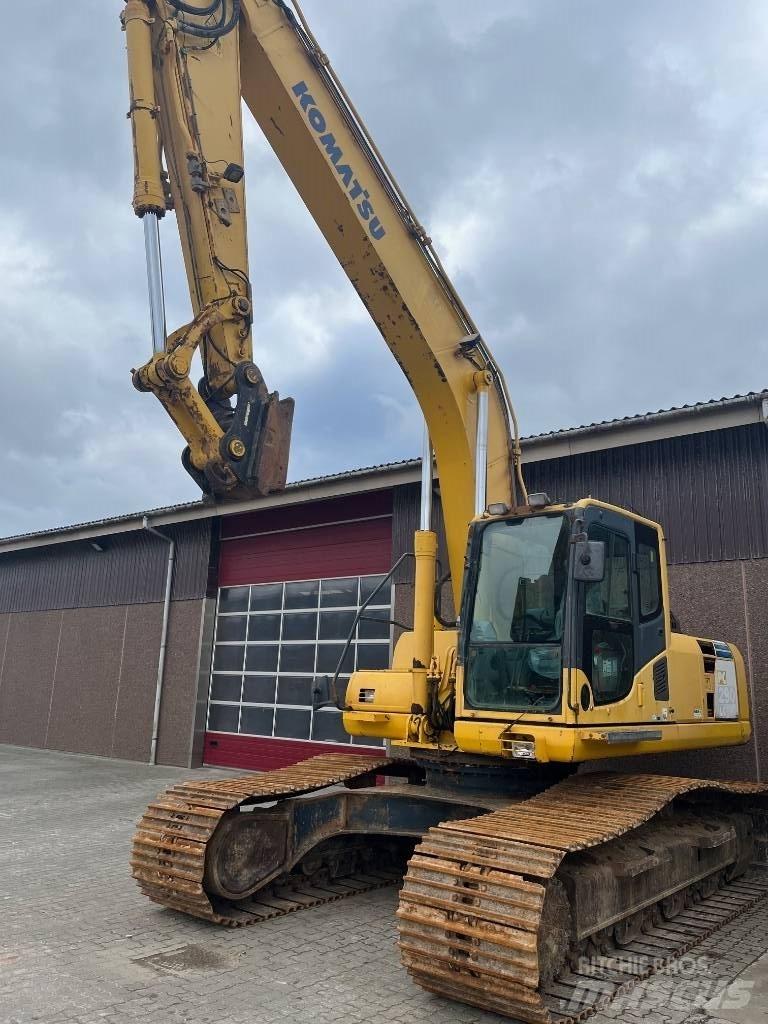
x,y
595,173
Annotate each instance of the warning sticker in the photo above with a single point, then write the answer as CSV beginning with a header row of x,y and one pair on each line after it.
x,y
726,691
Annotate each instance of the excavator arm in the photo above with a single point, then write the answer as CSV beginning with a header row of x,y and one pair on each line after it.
x,y
189,66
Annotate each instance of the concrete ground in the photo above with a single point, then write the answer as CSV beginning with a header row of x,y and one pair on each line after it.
x,y
78,942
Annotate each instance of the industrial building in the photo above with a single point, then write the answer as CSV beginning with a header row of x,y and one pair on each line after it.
x,y
192,634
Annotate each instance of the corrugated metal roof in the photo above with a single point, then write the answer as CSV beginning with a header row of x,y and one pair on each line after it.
x,y
649,419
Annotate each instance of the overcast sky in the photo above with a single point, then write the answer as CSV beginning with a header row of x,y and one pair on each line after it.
x,y
594,172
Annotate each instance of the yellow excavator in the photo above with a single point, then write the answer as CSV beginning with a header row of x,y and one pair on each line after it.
x,y
535,886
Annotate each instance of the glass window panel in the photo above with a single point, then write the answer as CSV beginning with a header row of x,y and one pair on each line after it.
x,y
328,726
256,721
374,625
264,627
223,717
233,599
297,658
609,597
339,593
373,656
301,595
648,577
261,658
335,625
258,689
292,723
231,627
367,586
328,658
225,687
300,626
295,690
228,658
267,597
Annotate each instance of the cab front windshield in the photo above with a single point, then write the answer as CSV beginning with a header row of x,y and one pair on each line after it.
x,y
514,655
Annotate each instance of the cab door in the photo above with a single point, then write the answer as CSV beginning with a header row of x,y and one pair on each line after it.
x,y
622,618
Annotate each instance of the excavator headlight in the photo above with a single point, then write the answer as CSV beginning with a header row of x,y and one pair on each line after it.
x,y
498,508
524,749
539,500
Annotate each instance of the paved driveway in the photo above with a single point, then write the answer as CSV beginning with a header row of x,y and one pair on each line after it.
x,y
79,943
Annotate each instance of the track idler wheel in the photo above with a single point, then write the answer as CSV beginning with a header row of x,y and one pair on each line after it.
x,y
244,853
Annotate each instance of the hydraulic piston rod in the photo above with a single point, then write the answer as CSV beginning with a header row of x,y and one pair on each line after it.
x,y
481,444
426,482
155,281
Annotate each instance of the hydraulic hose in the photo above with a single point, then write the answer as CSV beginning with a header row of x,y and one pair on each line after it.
x,y
179,5
213,31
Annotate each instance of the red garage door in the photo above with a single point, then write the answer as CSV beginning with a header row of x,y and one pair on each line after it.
x,y
290,584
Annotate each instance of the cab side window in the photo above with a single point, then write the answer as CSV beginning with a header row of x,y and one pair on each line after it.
x,y
608,646
648,573
650,640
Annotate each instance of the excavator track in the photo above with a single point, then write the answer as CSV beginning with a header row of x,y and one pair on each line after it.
x,y
170,844
484,919
484,912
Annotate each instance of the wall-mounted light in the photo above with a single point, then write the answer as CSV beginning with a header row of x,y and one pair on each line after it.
x,y
96,546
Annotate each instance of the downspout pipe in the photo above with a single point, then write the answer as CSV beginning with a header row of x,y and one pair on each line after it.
x,y
145,525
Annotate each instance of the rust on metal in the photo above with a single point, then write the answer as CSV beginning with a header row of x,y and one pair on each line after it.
x,y
483,919
171,840
485,914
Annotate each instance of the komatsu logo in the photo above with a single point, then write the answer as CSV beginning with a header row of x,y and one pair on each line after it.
x,y
336,155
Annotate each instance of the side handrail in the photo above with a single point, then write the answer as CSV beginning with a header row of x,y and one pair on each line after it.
x,y
332,699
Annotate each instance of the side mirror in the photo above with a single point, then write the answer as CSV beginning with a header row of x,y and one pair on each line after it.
x,y
321,692
589,566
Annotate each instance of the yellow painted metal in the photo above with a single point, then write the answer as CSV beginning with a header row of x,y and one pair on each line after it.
x,y
186,100
566,746
148,193
425,549
387,710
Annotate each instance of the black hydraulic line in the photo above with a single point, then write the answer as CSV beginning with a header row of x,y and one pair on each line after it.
x,y
179,5
215,31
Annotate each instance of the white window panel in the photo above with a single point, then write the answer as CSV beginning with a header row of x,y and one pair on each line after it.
x,y
273,640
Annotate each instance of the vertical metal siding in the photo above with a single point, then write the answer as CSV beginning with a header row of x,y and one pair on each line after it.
x,y
709,491
130,570
406,506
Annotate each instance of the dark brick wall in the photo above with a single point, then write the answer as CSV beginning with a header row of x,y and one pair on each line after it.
x,y
83,680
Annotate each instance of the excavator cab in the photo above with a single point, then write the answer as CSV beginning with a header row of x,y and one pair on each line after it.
x,y
574,589
563,652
